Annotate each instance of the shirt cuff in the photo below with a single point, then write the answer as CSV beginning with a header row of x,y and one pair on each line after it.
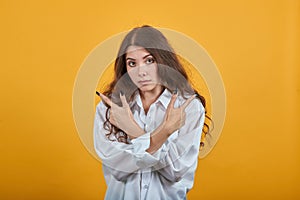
x,y
141,143
161,152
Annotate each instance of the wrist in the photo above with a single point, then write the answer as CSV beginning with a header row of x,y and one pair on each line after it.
x,y
134,131
166,128
158,137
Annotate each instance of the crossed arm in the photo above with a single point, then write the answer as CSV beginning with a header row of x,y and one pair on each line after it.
x,y
148,149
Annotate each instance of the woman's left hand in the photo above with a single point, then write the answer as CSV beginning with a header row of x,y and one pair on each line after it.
x,y
121,117
175,117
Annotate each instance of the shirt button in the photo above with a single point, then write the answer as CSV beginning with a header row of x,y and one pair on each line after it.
x,y
146,187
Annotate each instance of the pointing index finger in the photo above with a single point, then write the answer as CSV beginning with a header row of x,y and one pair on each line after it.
x,y
188,101
123,100
106,99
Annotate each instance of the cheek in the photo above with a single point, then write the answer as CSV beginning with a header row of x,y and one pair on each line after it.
x,y
127,69
153,72
132,72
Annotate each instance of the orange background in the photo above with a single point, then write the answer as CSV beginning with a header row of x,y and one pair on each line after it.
x,y
255,45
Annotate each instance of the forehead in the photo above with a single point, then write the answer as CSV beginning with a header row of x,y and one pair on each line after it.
x,y
136,52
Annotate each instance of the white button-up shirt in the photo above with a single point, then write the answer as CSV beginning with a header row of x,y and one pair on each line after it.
x,y
131,173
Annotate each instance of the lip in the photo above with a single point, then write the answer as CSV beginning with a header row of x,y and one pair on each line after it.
x,y
144,82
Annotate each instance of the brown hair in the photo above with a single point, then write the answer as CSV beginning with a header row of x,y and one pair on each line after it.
x,y
157,45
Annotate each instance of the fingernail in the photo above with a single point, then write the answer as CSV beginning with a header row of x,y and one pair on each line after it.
x,y
98,93
175,91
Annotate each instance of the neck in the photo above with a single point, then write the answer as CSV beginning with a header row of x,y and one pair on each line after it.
x,y
149,97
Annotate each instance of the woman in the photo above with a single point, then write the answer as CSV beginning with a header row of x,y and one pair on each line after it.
x,y
148,126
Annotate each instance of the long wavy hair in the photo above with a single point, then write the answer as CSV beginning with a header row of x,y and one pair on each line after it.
x,y
157,45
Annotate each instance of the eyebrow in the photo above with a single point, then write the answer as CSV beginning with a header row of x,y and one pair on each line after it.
x,y
143,57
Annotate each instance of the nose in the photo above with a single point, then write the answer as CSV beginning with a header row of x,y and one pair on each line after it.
x,y
142,71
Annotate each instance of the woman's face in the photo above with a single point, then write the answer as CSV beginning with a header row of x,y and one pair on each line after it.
x,y
142,68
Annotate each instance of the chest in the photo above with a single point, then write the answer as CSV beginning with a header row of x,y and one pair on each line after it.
x,y
152,119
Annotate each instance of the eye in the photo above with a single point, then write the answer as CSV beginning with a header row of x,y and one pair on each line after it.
x,y
131,63
150,60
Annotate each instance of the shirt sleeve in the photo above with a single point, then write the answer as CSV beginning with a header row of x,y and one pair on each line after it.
x,y
121,159
178,156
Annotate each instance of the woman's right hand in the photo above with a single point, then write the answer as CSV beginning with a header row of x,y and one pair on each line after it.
x,y
175,117
121,117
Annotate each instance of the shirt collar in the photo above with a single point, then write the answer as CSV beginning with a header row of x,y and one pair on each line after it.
x,y
164,99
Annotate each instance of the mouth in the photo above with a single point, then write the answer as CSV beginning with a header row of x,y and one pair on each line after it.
x,y
144,82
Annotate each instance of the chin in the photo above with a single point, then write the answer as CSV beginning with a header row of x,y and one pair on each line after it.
x,y
146,88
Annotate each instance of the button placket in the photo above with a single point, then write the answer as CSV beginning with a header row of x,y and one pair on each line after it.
x,y
145,179
148,120
145,176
